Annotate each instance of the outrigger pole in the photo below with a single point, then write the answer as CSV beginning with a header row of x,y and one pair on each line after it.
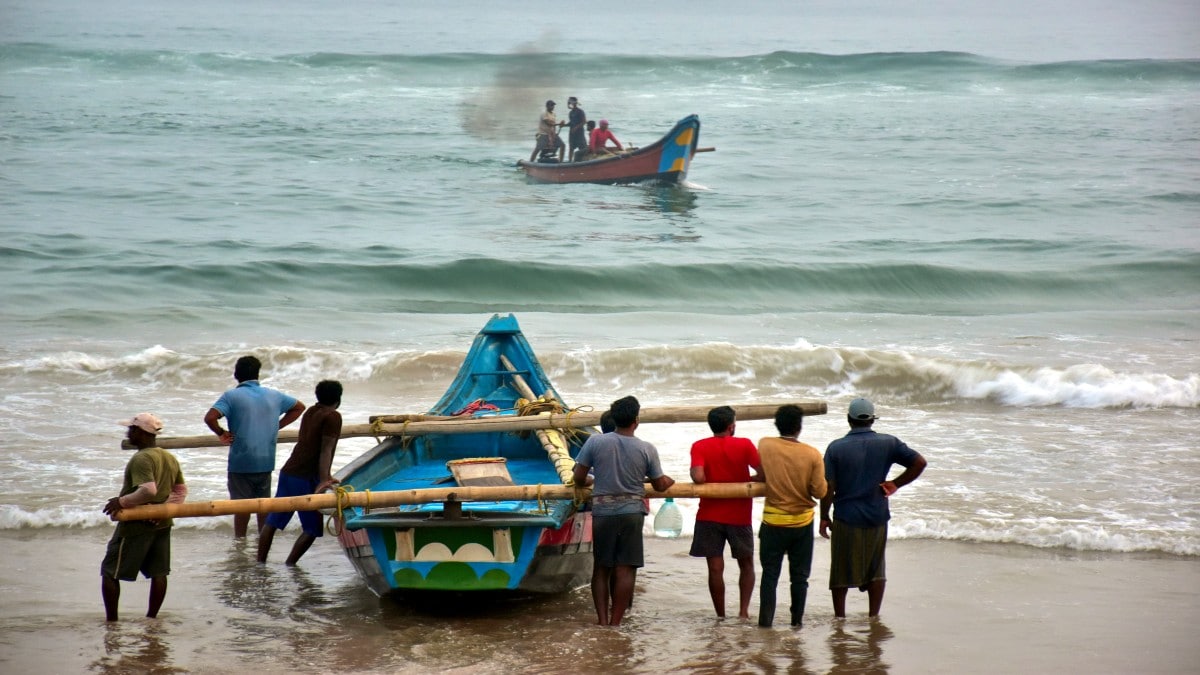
x,y
380,500
418,425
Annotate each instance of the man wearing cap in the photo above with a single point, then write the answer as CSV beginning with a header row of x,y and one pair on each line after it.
x,y
600,138
576,134
547,134
856,470
255,414
152,476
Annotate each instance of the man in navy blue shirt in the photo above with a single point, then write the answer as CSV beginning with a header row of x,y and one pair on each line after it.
x,y
856,468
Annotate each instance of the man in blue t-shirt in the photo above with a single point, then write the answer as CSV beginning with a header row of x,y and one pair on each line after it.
x,y
256,414
856,469
622,463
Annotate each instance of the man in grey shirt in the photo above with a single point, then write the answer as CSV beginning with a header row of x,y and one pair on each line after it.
x,y
621,463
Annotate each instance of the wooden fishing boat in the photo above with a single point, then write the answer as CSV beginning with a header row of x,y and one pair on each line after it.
x,y
532,545
664,161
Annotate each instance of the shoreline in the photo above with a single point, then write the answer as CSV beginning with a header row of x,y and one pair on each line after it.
x,y
950,607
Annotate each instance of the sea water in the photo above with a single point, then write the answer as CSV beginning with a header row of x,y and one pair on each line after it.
x,y
990,232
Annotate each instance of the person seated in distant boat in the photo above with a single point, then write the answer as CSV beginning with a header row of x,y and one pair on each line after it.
x,y
600,138
547,141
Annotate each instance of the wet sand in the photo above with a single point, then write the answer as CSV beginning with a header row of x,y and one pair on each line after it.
x,y
950,608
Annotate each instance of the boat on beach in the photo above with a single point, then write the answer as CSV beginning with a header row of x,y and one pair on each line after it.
x,y
665,161
531,545
477,494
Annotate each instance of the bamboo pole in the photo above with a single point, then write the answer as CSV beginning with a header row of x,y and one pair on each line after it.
x,y
553,442
506,423
329,500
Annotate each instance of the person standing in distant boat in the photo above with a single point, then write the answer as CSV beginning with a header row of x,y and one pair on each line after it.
x,y
621,463
576,130
725,458
308,471
600,138
856,468
546,142
795,476
256,414
152,476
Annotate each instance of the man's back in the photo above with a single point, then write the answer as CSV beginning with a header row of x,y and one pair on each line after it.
x,y
857,463
726,459
795,474
150,465
253,412
318,422
621,463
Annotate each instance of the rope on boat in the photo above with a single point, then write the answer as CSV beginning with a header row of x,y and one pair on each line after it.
x,y
553,440
379,432
337,521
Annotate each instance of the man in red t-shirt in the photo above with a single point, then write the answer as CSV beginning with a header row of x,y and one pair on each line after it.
x,y
723,458
598,143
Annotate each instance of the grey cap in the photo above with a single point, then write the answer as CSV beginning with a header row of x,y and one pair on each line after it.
x,y
862,409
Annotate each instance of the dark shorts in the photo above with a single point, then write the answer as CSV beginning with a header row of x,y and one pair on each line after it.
x,y
148,553
856,556
545,142
249,485
708,540
293,486
617,540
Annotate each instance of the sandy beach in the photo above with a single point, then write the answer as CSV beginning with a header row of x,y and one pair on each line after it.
x,y
950,608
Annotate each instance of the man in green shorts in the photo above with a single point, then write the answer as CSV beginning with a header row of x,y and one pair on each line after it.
x,y
856,469
152,476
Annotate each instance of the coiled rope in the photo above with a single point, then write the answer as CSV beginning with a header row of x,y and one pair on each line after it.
x,y
337,521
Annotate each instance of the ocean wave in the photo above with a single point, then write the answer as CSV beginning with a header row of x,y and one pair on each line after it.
x,y
1073,536
926,69
16,518
721,369
480,285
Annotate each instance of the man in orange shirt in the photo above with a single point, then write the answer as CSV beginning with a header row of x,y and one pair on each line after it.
x,y
795,477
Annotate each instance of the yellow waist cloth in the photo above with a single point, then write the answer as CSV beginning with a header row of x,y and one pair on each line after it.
x,y
781,518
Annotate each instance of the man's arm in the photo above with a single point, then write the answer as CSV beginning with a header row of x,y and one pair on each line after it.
x,y
910,474
697,474
817,487
291,415
212,419
178,494
826,504
661,483
759,476
325,464
580,474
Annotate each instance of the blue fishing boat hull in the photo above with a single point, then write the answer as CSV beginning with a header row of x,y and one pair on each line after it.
x,y
534,546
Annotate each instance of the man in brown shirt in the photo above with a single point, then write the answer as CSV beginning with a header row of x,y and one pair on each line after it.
x,y
307,471
795,476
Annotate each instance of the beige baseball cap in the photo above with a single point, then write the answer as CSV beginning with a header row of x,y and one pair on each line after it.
x,y
147,422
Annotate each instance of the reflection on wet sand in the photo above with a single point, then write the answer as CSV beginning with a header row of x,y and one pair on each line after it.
x,y
857,647
137,646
